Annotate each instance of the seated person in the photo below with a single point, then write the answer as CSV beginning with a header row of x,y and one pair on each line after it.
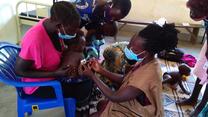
x,y
114,61
95,38
140,91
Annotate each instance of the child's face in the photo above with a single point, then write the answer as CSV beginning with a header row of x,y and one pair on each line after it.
x,y
109,29
115,14
183,69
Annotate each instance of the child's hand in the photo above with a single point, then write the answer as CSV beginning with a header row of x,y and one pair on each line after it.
x,y
63,71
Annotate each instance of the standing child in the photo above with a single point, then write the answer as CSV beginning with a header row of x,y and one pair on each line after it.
x,y
79,86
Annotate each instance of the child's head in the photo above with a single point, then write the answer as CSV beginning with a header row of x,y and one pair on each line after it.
x,y
109,29
198,9
77,44
105,29
184,70
120,9
115,10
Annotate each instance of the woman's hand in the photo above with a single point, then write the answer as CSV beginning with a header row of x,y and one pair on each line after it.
x,y
86,71
95,65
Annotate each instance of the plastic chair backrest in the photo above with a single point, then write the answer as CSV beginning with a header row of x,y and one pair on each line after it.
x,y
8,55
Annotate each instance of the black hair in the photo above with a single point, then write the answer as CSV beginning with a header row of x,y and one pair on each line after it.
x,y
184,69
123,5
64,12
159,38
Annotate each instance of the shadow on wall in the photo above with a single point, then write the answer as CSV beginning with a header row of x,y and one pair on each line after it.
x,y
8,30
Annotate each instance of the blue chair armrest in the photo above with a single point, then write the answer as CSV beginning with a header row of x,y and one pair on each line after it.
x,y
54,83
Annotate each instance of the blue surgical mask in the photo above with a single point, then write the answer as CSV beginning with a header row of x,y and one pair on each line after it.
x,y
65,36
132,56
97,42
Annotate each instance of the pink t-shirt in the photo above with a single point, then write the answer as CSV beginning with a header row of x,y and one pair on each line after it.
x,y
37,46
200,69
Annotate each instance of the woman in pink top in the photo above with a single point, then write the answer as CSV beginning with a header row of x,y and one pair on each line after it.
x,y
41,51
199,11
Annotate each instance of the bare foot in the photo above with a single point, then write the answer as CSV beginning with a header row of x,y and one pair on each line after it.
x,y
186,102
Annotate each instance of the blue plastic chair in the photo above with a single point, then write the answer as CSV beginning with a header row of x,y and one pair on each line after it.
x,y
28,104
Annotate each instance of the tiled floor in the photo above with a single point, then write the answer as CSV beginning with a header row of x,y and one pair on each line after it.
x,y
8,94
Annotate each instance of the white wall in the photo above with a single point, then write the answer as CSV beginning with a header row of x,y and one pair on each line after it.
x,y
8,30
150,10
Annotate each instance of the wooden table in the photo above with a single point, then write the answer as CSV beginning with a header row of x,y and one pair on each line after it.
x,y
144,12
193,33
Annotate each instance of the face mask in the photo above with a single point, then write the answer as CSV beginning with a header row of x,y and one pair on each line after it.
x,y
97,42
65,36
130,62
132,56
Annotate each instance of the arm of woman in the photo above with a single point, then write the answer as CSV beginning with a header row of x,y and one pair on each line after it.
x,y
124,94
23,68
114,77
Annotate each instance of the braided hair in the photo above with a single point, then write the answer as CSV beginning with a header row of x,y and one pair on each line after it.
x,y
159,38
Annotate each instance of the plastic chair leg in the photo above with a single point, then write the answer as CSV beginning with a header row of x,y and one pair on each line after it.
x,y
29,113
20,109
20,112
70,107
